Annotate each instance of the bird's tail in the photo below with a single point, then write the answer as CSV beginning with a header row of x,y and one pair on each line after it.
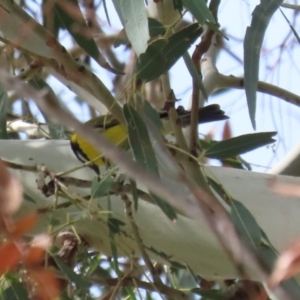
x,y
206,114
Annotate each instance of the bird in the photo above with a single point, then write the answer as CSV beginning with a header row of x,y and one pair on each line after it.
x,y
117,132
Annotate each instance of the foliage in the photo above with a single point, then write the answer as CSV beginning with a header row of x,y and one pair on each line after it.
x,y
72,47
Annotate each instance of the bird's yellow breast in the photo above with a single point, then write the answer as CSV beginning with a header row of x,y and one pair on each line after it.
x,y
116,134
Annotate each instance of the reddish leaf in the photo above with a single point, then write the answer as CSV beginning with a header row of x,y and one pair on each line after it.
x,y
24,225
10,191
34,256
10,256
227,134
284,189
46,286
287,265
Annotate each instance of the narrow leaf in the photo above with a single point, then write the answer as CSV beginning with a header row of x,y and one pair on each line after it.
x,y
143,152
101,188
71,18
139,140
3,112
199,10
71,275
239,145
56,131
262,15
162,54
133,16
177,4
155,28
152,114
245,224
195,75
16,291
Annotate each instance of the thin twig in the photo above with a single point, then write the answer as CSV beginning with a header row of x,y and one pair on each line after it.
x,y
139,241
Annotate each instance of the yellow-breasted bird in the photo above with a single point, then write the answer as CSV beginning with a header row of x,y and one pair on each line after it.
x,y
117,133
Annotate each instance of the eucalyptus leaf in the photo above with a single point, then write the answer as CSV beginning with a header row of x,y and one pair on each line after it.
x,y
143,152
197,78
152,114
199,10
4,101
101,188
162,54
139,140
133,16
245,224
16,291
26,197
71,18
208,294
71,275
239,145
56,131
177,4
155,28
114,225
261,17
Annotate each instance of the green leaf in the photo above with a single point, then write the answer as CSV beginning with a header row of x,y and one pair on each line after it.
x,y
199,10
16,291
101,188
164,206
139,139
193,71
239,145
162,54
133,16
3,112
74,22
175,265
112,229
245,224
268,255
54,222
218,188
114,225
237,163
80,282
152,114
177,4
155,28
56,131
64,296
130,293
252,44
29,198
143,152
208,294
